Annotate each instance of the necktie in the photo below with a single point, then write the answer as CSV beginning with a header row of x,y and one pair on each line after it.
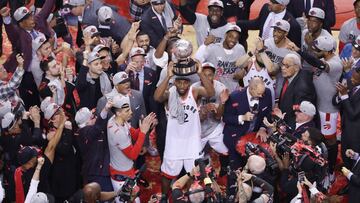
x,y
33,34
163,22
307,6
354,90
137,82
286,83
266,32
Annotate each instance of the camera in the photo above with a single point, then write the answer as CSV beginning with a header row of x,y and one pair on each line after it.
x,y
125,193
251,148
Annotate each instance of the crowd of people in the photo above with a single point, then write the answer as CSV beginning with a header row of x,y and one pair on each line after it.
x,y
86,95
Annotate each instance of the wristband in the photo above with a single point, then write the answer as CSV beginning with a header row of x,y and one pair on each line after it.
x,y
250,54
188,174
207,181
261,50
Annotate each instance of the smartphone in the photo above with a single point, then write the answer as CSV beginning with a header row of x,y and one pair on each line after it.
x,y
301,176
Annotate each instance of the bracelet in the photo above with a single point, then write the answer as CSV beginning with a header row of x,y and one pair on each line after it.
x,y
189,174
261,50
250,54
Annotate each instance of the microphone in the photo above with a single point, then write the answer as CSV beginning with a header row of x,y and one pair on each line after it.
x,y
255,109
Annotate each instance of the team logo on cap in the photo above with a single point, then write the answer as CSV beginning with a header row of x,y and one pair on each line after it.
x,y
24,11
138,51
124,76
278,24
93,30
312,12
216,4
42,40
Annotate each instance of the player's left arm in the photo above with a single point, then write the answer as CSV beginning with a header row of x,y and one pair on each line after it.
x,y
207,90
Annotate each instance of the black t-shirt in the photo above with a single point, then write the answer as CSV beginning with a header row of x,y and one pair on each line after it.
x,y
44,185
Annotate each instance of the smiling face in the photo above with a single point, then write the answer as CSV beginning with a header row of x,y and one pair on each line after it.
x,y
182,86
279,35
215,14
143,41
231,39
314,24
288,68
139,61
28,23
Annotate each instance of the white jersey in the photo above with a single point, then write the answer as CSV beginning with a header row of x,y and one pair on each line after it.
x,y
275,53
349,31
183,140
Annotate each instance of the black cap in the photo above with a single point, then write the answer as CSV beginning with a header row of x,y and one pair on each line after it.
x,y
25,154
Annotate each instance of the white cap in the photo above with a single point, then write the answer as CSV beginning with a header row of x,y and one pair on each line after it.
x,y
55,83
38,41
120,77
325,43
7,120
93,56
90,31
157,1
100,47
76,2
21,13
105,14
41,197
307,108
282,25
51,16
83,116
216,3
256,164
50,110
5,107
233,27
120,100
283,2
137,51
317,12
45,103
209,65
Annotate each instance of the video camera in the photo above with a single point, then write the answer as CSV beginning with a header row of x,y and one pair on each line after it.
x,y
251,148
126,191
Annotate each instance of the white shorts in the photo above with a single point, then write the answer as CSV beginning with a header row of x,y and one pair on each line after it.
x,y
215,140
117,185
328,122
172,168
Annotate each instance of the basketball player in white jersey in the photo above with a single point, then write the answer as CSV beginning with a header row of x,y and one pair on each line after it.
x,y
183,133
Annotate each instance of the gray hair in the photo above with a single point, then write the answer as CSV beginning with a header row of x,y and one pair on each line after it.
x,y
295,58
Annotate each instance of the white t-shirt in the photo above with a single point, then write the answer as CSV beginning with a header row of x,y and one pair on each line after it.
x,y
349,31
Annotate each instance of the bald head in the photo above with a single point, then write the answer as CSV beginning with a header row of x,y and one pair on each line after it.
x,y
256,87
256,164
92,192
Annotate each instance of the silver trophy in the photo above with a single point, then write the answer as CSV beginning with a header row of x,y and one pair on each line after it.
x,y
184,65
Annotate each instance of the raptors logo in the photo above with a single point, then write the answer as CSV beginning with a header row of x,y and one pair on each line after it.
x,y
327,126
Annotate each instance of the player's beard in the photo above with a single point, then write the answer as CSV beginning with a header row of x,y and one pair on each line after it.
x,y
182,93
146,48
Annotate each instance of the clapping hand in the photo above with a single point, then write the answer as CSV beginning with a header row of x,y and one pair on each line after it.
x,y
341,88
147,122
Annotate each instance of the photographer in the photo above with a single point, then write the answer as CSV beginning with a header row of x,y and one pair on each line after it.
x,y
246,183
196,192
302,195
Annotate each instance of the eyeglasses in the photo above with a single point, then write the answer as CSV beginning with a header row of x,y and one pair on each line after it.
x,y
286,65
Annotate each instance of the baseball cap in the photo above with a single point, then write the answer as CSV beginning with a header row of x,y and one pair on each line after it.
x,y
25,154
233,27
8,120
324,43
283,2
41,197
5,107
137,51
100,47
307,108
209,66
121,101
356,43
120,77
51,110
105,14
282,25
91,30
93,56
317,13
21,14
76,2
157,2
38,42
216,3
83,116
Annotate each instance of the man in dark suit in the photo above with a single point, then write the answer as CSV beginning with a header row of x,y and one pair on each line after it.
x,y
353,176
348,103
297,87
300,7
157,20
244,113
270,12
142,78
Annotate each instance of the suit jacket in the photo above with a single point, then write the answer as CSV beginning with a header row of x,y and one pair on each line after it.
x,y
21,40
258,24
354,185
350,122
151,25
296,8
149,86
300,89
236,105
301,129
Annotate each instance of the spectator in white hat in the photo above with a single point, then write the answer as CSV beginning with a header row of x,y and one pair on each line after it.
x,y
92,81
270,13
226,53
209,29
315,22
94,34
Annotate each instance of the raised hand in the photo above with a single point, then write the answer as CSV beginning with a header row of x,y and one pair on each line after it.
x,y
341,88
224,96
20,61
146,123
5,12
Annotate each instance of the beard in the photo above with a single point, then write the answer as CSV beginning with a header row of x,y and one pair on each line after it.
x,y
146,48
